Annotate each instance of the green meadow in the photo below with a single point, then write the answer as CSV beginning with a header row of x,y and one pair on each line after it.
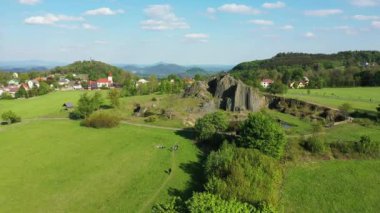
x,y
51,164
332,186
59,166
364,98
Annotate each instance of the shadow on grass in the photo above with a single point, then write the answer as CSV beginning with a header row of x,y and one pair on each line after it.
x,y
197,179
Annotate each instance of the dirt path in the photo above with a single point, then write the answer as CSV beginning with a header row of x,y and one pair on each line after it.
x,y
149,202
153,126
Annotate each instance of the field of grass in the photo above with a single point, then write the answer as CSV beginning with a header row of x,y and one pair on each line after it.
x,y
365,98
352,132
50,105
333,186
296,125
59,166
41,106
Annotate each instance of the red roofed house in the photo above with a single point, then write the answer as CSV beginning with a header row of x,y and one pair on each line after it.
x,y
265,83
102,82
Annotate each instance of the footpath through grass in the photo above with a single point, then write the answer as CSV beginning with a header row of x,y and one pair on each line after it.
x,y
365,98
333,186
58,166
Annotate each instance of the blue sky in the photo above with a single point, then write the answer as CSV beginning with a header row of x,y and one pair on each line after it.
x,y
183,31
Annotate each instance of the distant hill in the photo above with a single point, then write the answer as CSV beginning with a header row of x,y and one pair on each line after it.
x,y
164,69
349,68
95,70
27,66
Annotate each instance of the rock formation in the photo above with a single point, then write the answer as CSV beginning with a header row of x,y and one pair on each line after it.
x,y
228,94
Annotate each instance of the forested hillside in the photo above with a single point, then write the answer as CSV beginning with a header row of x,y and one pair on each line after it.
x,y
343,69
94,69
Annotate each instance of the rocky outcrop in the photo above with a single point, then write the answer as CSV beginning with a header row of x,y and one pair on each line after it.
x,y
304,109
228,94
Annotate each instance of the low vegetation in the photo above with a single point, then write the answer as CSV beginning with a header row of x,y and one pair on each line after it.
x,y
10,117
233,173
101,119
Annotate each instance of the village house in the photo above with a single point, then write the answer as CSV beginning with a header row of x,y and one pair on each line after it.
x,y
11,90
101,83
63,82
13,82
141,81
265,83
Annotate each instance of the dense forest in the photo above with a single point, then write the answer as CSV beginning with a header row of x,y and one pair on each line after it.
x,y
343,69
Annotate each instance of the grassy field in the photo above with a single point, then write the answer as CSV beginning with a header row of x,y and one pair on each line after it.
x,y
365,98
333,186
50,105
41,106
58,166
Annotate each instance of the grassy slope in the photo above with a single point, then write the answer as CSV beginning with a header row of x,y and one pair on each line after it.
x,y
58,166
333,186
367,98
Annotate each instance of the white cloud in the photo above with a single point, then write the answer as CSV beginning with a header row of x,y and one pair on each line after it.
x,y
365,18
321,13
365,3
29,2
347,30
197,37
238,8
161,17
261,22
87,26
275,5
104,11
287,27
309,35
211,10
376,24
51,19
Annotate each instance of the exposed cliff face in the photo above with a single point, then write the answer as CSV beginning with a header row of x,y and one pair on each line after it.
x,y
228,94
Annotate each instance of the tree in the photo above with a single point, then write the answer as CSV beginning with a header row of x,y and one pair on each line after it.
x,y
44,88
261,132
87,104
277,88
22,93
243,174
210,125
10,117
207,202
114,96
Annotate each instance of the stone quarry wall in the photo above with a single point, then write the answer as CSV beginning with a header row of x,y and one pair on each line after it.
x,y
228,94
303,109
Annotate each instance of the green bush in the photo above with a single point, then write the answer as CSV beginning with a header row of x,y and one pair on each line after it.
x,y
10,117
243,174
101,119
206,202
75,115
344,147
367,146
173,205
210,125
315,144
262,132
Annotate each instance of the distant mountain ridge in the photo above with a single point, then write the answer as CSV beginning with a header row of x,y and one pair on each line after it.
x,y
160,69
164,69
